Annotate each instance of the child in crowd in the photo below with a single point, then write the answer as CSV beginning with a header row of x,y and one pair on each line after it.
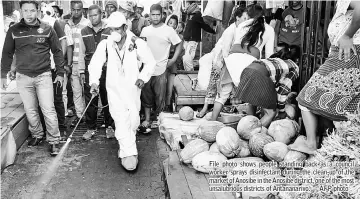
x,y
171,21
159,38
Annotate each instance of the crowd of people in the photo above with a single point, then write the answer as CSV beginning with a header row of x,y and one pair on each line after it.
x,y
130,61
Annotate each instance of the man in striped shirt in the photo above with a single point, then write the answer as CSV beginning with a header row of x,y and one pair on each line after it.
x,y
76,23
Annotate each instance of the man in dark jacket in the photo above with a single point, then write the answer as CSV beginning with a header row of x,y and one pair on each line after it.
x,y
192,33
30,41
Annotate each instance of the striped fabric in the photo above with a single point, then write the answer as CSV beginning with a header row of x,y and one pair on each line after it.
x,y
283,73
76,34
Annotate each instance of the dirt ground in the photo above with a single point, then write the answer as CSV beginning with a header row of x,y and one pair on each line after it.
x,y
89,169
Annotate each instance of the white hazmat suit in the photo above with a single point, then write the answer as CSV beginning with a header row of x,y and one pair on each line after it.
x,y
121,75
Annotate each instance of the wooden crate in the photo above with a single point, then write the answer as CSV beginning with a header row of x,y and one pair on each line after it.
x,y
183,182
14,125
184,94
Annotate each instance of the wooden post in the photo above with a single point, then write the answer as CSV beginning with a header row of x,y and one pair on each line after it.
x,y
202,11
2,28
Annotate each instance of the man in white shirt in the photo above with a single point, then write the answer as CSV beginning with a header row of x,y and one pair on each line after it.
x,y
122,50
159,38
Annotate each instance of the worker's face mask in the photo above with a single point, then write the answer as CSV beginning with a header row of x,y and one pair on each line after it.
x,y
115,36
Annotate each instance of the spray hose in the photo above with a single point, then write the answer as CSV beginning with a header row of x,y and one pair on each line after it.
x,y
46,177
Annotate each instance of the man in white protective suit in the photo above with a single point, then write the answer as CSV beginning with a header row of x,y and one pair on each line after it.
x,y
123,52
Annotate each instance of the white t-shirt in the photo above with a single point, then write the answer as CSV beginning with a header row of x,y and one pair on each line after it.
x,y
159,40
268,37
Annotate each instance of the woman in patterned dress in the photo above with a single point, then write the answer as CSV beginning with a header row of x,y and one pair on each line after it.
x,y
334,88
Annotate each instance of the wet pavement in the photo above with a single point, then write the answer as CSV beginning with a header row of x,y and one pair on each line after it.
x,y
89,169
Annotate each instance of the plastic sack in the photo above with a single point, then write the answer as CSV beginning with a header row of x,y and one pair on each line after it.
x,y
214,9
205,65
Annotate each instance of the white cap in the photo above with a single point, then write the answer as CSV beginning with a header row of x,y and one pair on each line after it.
x,y
139,5
86,3
116,20
47,10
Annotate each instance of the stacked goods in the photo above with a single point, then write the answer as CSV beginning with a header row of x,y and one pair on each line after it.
x,y
252,142
186,113
193,148
284,130
208,130
276,151
228,142
201,161
247,125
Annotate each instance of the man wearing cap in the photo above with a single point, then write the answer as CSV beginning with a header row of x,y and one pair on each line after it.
x,y
76,23
122,50
127,8
138,22
90,38
140,8
110,7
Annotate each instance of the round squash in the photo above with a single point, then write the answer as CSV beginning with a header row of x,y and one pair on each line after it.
x,y
201,162
214,148
186,113
228,141
276,151
294,156
257,143
245,150
284,130
208,116
193,148
246,125
208,130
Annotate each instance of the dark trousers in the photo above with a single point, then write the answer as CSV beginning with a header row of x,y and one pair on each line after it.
x,y
153,93
70,104
58,101
92,111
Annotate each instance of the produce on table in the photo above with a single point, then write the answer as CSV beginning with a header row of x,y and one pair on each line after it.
x,y
228,141
294,156
284,130
246,125
193,148
208,130
186,113
214,148
245,150
201,161
276,151
257,143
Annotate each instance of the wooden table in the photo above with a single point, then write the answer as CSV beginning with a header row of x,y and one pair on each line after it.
x,y
14,125
183,182
184,94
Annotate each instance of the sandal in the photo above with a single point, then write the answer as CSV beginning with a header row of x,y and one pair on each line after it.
x,y
201,114
144,128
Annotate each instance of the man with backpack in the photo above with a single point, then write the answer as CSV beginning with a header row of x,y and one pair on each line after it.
x,y
91,36
122,51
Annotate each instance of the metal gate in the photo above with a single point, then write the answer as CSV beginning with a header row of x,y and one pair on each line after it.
x,y
314,38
